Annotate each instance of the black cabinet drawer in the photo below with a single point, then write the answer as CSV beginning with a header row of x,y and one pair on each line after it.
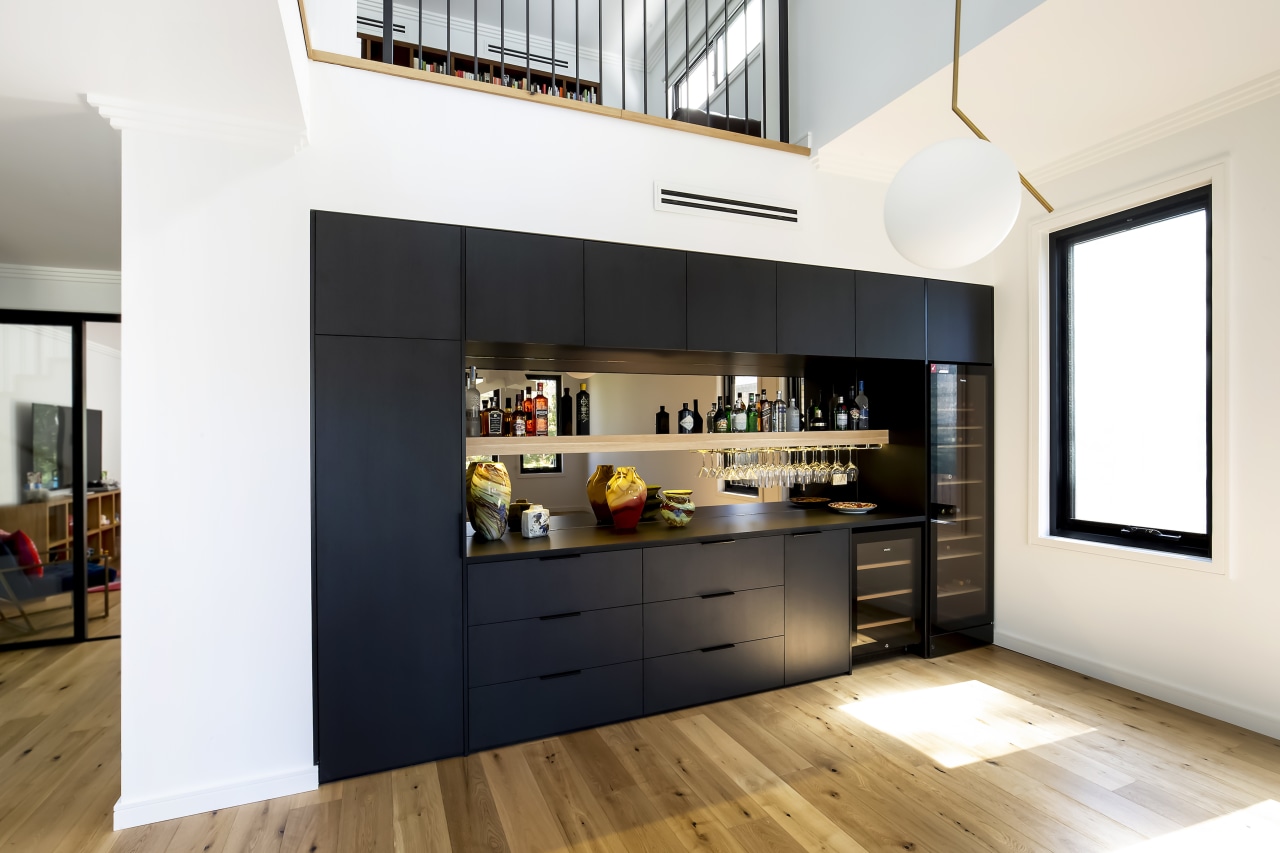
x,y
889,318
731,303
508,651
524,589
523,288
815,310
698,623
634,296
389,278
538,707
961,322
694,678
682,571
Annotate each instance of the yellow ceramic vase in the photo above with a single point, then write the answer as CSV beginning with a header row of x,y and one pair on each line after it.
x,y
488,497
626,494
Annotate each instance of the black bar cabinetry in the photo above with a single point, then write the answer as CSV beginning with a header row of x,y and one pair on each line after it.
x,y
961,322
816,310
889,320
386,277
888,591
524,288
635,296
817,605
731,303
389,680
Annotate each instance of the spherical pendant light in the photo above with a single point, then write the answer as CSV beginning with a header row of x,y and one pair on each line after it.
x,y
953,203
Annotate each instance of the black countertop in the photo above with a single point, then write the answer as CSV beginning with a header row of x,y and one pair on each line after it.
x,y
576,534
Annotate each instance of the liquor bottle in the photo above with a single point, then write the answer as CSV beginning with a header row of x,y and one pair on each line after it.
x,y
817,420
739,420
484,418
495,419
508,422
779,413
473,405
684,420
864,409
697,418
518,419
663,422
766,411
582,425
753,414
793,417
713,413
541,413
842,415
530,421
724,418
564,414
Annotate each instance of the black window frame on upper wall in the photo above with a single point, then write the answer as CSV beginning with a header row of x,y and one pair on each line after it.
x,y
1062,522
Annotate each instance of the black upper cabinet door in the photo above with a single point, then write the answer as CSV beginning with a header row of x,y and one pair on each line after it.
x,y
961,322
732,303
388,278
818,605
389,616
816,310
635,296
524,288
889,318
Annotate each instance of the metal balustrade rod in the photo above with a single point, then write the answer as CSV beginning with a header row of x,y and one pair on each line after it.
x,y
622,14
528,60
784,74
577,50
388,32
688,106
644,54
706,56
764,74
666,59
502,42
600,50
746,72
554,91
475,39
448,37
728,112
418,63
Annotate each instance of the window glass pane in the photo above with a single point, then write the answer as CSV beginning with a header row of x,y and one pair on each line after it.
x,y
1139,376
545,461
698,84
737,43
753,25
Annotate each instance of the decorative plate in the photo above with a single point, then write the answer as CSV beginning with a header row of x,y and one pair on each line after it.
x,y
810,502
851,507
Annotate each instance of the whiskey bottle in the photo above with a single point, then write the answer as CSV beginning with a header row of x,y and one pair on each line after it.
x,y
739,421
864,408
842,415
753,414
530,422
662,423
766,411
582,423
684,420
697,418
564,414
495,420
724,418
484,418
541,413
508,422
519,422
713,413
472,397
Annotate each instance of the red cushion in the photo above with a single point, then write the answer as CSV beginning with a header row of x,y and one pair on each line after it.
x,y
25,550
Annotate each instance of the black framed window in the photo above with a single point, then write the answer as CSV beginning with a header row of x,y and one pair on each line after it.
x,y
1130,377
545,463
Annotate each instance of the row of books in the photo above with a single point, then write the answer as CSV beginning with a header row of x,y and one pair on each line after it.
x,y
588,94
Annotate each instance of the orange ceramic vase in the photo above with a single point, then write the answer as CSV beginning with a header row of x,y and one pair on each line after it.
x,y
596,493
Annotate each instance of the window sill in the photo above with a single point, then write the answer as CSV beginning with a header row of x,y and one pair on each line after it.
x,y
1139,555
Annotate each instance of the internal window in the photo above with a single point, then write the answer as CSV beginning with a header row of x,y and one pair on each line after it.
x,y
545,463
1130,373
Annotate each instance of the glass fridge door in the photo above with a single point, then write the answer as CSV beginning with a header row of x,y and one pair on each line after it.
x,y
960,510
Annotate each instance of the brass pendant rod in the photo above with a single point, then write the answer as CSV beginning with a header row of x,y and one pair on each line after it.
x,y
955,108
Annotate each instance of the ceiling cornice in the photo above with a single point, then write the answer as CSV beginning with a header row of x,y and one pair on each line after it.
x,y
183,122
63,274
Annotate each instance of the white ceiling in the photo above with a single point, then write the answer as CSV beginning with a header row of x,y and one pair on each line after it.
x,y
1073,80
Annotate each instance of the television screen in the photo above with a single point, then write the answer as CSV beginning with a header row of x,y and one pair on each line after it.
x,y
51,444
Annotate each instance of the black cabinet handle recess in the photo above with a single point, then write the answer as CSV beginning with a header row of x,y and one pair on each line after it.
x,y
807,533
720,542
560,674
561,615
562,557
718,648
717,594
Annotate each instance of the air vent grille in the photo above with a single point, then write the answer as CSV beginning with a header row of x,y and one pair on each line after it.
x,y
703,202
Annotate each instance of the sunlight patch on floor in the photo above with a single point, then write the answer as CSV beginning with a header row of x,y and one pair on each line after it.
x,y
962,723
1254,828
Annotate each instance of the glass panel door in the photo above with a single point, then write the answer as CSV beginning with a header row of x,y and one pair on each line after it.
x,y
886,587
960,509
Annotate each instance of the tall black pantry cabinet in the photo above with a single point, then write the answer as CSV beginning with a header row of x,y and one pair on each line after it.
x,y
387,560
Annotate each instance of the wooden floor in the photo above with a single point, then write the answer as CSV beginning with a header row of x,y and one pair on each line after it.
x,y
987,750
52,619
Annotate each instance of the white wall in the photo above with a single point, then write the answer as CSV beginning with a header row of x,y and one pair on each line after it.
x,y
1201,640
216,677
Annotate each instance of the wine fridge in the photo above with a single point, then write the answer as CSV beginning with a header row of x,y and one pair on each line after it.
x,y
960,578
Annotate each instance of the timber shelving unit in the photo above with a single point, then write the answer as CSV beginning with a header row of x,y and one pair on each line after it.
x,y
50,524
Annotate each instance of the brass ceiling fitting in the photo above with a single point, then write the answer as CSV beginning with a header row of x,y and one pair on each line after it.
x,y
955,108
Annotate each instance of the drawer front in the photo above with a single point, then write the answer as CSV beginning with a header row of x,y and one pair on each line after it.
x,y
509,651
538,707
687,624
694,678
682,571
526,589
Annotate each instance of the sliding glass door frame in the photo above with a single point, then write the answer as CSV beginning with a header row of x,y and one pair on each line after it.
x,y
79,461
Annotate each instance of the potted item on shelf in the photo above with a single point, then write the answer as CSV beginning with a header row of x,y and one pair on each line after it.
x,y
596,488
651,503
626,494
488,498
535,521
675,507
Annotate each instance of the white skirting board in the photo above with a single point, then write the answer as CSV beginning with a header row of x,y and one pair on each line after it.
x,y
136,813
1254,719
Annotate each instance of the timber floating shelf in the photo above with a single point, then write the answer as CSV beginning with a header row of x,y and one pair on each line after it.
x,y
866,439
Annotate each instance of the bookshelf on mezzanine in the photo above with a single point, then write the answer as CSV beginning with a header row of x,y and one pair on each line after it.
x,y
406,52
